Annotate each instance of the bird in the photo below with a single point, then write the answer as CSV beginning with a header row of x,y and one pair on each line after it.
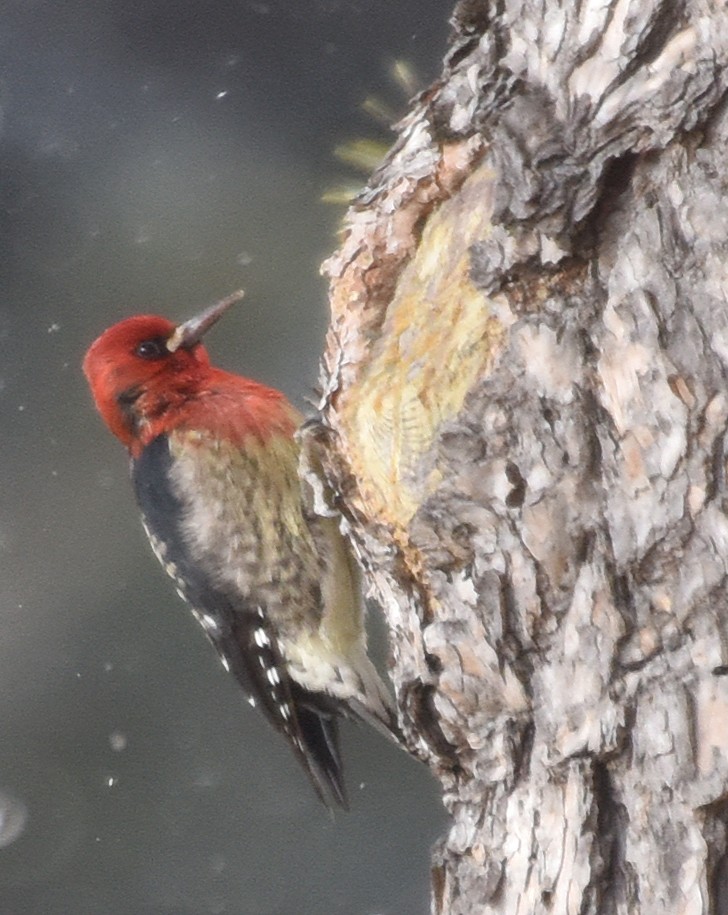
x,y
275,586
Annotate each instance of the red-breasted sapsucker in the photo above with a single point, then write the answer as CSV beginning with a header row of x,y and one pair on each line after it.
x,y
214,462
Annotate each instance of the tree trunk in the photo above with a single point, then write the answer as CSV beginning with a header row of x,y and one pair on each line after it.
x,y
526,379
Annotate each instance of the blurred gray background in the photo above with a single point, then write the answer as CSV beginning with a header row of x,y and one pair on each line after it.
x,y
155,155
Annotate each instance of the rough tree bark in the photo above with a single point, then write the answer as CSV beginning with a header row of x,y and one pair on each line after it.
x,y
526,381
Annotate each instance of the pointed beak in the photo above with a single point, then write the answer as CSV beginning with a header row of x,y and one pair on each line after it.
x,y
186,335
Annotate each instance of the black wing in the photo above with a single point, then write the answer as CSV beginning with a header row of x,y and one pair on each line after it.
x,y
239,629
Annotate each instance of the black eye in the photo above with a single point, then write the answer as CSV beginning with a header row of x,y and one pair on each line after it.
x,y
152,349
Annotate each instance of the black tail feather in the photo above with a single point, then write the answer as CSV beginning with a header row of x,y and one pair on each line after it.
x,y
308,720
319,753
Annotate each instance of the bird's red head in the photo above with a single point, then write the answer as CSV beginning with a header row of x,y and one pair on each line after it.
x,y
144,368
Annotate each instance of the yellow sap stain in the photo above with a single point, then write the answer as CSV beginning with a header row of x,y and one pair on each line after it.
x,y
437,340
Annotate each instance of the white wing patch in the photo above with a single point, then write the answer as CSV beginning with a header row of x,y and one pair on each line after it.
x,y
160,550
268,655
260,637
